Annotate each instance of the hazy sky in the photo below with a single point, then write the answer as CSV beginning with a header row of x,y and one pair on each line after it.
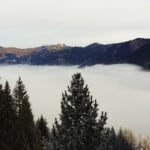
x,y
27,23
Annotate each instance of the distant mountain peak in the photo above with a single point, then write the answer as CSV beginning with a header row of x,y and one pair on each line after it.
x,y
94,45
138,42
54,47
139,39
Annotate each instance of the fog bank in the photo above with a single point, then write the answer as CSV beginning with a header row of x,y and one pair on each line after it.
x,y
121,90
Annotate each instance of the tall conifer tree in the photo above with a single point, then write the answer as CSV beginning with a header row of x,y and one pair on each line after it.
x,y
25,117
41,125
43,132
79,127
7,119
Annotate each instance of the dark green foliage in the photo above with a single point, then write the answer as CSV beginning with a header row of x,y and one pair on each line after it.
x,y
79,128
42,131
7,119
20,95
26,125
41,125
111,140
123,141
17,128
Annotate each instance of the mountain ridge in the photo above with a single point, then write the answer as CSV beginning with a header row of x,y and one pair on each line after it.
x,y
95,53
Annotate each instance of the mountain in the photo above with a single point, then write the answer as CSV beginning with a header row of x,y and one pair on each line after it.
x,y
135,51
141,57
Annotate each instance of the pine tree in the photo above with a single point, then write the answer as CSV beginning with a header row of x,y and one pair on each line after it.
x,y
2,116
111,142
79,127
26,125
7,119
41,124
43,132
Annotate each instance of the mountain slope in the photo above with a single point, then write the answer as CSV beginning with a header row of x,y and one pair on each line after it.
x,y
118,53
135,51
141,57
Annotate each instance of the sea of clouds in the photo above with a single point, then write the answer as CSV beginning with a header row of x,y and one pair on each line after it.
x,y
123,91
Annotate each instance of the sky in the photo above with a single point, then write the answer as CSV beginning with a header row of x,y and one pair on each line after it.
x,y
30,23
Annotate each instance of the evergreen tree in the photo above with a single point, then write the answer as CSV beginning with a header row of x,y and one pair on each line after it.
x,y
41,124
79,128
38,139
43,132
26,125
7,119
111,142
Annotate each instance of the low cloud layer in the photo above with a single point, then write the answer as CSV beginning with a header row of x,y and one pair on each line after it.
x,y
121,90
